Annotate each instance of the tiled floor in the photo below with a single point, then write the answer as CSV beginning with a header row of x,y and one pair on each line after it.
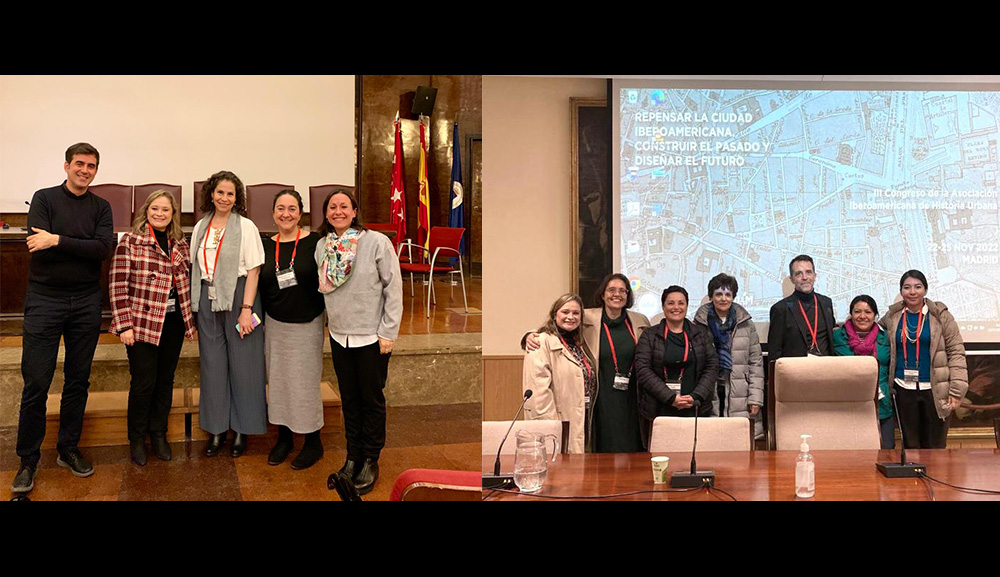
x,y
436,437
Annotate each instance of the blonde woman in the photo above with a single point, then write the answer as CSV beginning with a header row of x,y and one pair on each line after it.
x,y
561,373
151,314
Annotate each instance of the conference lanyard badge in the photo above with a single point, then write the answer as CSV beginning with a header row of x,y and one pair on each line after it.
x,y
211,292
912,376
674,384
621,382
286,278
171,304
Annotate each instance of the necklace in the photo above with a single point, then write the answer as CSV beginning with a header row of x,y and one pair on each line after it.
x,y
915,328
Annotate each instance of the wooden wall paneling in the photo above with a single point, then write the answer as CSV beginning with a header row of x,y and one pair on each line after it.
x,y
501,386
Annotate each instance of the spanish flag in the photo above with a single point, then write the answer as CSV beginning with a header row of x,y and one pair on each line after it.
x,y
424,197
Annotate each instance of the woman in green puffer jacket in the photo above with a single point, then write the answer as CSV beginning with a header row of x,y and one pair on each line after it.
x,y
861,336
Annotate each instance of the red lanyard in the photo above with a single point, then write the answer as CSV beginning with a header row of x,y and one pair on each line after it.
x,y
583,357
686,348
916,335
294,250
815,324
218,249
611,343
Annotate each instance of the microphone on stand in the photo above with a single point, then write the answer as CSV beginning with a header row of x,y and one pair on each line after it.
x,y
694,478
902,468
496,480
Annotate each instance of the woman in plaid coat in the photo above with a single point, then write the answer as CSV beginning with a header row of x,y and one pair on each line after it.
x,y
151,314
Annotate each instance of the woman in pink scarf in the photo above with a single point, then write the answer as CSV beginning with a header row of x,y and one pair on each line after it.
x,y
860,335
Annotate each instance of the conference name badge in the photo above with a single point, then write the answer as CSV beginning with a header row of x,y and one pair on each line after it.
x,y
286,278
912,376
211,292
171,304
621,383
674,385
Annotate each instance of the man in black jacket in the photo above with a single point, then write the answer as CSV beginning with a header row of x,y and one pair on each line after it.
x,y
70,234
802,323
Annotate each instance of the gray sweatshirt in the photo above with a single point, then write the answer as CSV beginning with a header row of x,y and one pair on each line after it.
x,y
371,301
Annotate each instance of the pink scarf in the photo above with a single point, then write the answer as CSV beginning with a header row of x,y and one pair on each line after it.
x,y
861,347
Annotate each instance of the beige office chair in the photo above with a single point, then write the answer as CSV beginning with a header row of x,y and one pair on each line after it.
x,y
675,434
493,432
830,398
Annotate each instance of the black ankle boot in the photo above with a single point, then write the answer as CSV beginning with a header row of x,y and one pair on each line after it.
x,y
312,451
365,479
137,451
349,469
239,444
215,444
282,448
160,446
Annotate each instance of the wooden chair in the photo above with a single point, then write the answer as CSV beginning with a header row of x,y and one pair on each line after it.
x,y
142,191
198,184
260,203
317,194
119,196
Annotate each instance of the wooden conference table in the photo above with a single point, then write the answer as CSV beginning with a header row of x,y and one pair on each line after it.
x,y
766,476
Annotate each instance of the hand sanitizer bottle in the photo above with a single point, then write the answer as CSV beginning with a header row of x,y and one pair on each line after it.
x,y
805,471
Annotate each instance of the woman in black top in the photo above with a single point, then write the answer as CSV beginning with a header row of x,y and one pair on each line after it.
x,y
676,364
293,335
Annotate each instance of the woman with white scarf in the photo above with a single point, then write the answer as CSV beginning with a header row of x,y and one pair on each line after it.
x,y
360,280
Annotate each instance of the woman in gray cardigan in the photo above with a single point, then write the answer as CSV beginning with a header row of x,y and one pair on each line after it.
x,y
741,366
360,279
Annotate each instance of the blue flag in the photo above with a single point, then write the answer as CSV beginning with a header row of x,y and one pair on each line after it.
x,y
456,218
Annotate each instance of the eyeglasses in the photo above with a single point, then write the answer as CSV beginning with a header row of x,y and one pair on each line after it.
x,y
614,291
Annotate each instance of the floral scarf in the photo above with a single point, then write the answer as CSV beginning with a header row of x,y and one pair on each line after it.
x,y
338,259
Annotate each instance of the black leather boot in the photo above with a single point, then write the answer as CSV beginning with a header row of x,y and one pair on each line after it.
x,y
365,479
137,451
161,448
282,448
239,444
312,451
215,444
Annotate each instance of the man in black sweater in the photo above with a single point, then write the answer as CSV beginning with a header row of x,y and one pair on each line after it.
x,y
801,323
70,234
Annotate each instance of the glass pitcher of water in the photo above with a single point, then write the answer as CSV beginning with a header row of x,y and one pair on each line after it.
x,y
531,461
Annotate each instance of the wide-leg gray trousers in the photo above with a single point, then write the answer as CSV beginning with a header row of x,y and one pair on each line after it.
x,y
233,373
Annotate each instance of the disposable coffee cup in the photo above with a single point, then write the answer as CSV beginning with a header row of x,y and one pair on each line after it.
x,y
660,465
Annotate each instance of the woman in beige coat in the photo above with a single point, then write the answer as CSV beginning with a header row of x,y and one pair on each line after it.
x,y
610,332
929,373
561,373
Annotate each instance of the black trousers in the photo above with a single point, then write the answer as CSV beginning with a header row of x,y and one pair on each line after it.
x,y
152,368
77,319
361,374
919,421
